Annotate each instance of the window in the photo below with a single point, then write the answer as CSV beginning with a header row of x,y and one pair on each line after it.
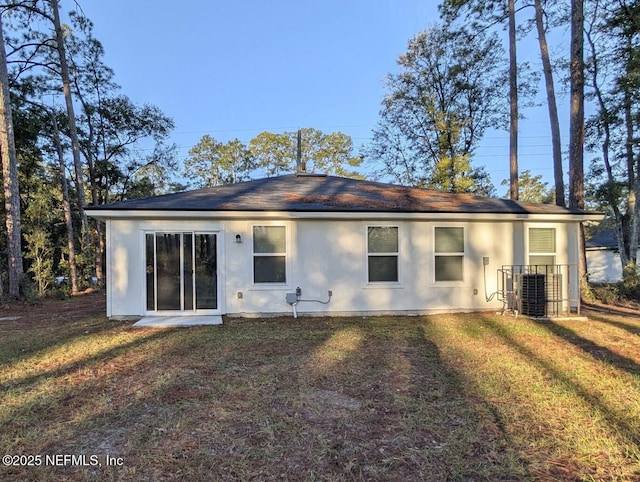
x,y
449,254
269,254
542,246
382,253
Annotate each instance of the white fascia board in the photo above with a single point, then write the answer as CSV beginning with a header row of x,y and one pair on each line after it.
x,y
153,214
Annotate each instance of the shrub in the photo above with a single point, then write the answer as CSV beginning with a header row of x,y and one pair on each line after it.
x,y
61,291
607,293
630,284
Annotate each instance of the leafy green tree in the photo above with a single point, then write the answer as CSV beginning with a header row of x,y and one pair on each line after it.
x,y
274,153
151,174
328,153
40,253
481,15
532,189
43,208
101,127
40,49
108,135
448,92
111,124
58,150
42,166
320,152
212,163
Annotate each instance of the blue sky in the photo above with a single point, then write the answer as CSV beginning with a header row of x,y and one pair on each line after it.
x,y
236,68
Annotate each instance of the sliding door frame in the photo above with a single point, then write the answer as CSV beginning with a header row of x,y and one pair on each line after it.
x,y
193,289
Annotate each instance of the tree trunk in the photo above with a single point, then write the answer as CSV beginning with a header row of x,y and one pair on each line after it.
x,y
634,179
93,189
551,103
513,104
10,179
605,117
635,225
99,247
66,206
100,250
576,123
73,131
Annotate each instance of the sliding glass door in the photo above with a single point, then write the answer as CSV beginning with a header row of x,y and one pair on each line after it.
x,y
182,271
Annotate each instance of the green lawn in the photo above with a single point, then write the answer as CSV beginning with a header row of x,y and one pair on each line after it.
x,y
450,397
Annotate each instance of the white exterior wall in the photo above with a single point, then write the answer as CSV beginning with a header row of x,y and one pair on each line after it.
x,y
604,266
331,255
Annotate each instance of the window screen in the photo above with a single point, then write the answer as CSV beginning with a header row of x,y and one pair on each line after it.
x,y
542,240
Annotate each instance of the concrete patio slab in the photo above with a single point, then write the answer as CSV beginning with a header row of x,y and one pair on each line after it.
x,y
177,321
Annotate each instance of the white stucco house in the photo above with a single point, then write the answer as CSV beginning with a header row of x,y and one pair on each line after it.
x,y
315,244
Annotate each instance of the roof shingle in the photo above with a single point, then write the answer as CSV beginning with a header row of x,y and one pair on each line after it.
x,y
316,193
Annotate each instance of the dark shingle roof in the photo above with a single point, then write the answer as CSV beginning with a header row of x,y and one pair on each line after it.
x,y
315,193
603,239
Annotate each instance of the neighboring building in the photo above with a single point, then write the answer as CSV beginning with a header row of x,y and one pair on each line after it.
x,y
350,246
603,258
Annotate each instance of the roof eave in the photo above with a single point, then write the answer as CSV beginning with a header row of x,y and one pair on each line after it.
x,y
455,216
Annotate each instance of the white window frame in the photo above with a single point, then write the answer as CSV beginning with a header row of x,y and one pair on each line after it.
x,y
385,284
450,254
286,254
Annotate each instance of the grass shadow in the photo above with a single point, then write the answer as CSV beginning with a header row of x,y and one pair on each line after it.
x,y
344,399
99,357
17,346
472,424
631,328
598,352
613,418
311,399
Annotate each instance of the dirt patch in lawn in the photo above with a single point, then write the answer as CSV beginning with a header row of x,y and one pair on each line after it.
x,y
47,312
